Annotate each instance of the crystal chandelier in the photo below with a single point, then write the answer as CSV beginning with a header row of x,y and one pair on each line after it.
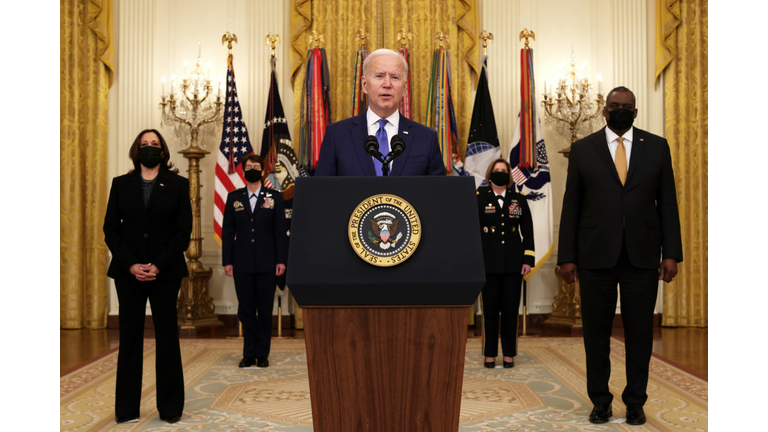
x,y
188,110
571,109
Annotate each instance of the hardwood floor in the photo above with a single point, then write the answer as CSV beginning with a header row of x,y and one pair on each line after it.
x,y
686,347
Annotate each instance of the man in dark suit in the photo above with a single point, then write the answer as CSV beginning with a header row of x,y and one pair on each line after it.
x,y
619,219
254,252
342,152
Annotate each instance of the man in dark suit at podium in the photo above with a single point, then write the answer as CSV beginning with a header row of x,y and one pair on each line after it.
x,y
619,219
343,153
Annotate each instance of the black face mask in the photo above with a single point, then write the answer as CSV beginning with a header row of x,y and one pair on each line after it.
x,y
150,157
500,179
621,118
252,176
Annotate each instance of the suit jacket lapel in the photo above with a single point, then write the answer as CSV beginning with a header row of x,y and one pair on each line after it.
x,y
637,154
601,147
157,190
359,133
259,201
134,185
404,131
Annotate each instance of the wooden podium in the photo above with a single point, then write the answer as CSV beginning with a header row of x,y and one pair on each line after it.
x,y
385,345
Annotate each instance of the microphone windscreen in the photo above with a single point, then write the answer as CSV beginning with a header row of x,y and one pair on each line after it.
x,y
397,144
371,145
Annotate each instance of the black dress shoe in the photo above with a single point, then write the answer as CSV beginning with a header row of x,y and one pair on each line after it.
x,y
171,420
509,365
601,413
490,364
635,415
247,362
126,420
262,362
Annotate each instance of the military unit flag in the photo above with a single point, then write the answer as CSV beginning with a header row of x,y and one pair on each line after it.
x,y
315,108
530,165
483,140
359,99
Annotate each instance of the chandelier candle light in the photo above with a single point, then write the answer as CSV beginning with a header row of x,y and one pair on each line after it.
x,y
570,107
189,109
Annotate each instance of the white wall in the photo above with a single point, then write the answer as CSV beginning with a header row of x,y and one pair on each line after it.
x,y
154,37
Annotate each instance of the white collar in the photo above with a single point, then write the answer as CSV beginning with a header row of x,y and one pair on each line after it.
x,y
611,135
373,119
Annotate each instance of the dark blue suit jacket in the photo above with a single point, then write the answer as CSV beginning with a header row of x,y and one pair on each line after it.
x,y
254,242
342,152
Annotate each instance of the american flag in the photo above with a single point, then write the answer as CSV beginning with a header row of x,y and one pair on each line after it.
x,y
234,145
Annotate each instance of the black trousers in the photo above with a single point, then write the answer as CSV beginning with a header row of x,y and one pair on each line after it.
x,y
501,294
132,296
638,287
255,293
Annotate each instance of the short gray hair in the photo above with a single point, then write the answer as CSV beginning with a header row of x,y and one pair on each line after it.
x,y
384,51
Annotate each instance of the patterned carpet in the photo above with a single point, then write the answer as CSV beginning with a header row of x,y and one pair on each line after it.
x,y
546,390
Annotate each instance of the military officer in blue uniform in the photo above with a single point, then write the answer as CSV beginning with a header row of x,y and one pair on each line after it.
x,y
504,218
254,252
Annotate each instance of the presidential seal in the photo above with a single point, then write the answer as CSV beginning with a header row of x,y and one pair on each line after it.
x,y
384,230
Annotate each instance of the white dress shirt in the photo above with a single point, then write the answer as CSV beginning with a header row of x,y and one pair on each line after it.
x,y
393,123
613,142
253,200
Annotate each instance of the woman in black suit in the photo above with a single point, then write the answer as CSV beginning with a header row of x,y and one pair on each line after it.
x,y
147,228
504,216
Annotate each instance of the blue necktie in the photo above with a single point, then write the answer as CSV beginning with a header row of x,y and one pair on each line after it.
x,y
381,136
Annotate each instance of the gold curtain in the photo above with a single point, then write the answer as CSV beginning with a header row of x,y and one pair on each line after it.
x,y
681,56
86,74
338,21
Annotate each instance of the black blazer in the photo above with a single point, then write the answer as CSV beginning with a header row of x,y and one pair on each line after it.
x,y
342,152
598,212
158,234
500,230
254,242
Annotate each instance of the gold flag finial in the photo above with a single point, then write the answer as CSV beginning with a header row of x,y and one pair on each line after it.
x,y
228,38
315,39
271,40
485,36
525,34
361,37
442,38
404,37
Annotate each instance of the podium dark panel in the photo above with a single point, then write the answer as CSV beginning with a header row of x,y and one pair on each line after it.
x,y
445,269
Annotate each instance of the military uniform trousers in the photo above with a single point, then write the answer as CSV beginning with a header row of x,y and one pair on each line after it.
x,y
132,296
501,294
255,293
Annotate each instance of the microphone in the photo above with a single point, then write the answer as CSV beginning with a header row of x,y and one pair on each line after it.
x,y
372,147
398,147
